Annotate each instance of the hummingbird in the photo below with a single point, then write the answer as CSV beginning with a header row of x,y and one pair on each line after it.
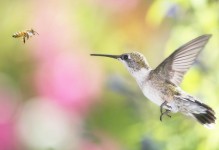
x,y
162,84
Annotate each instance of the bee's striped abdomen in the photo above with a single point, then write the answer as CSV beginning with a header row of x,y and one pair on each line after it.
x,y
19,34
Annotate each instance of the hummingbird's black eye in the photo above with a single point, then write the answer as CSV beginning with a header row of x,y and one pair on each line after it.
x,y
125,57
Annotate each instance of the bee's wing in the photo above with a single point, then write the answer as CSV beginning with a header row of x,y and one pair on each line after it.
x,y
36,32
178,63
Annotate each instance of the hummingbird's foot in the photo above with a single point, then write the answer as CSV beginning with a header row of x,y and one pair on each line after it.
x,y
165,113
162,105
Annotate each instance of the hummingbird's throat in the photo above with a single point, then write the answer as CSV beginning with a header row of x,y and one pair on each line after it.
x,y
140,74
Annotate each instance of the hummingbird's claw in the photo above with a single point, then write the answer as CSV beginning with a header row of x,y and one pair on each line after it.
x,y
162,105
165,113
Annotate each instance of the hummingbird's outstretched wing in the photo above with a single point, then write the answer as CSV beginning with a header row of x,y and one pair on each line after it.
x,y
176,65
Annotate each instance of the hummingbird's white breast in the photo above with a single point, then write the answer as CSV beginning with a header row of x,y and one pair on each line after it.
x,y
152,93
148,89
156,96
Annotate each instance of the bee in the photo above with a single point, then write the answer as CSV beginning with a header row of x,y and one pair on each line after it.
x,y
25,34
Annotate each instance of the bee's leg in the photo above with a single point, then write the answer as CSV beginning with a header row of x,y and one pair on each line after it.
x,y
24,39
165,113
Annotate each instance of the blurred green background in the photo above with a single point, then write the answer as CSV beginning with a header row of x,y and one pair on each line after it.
x,y
54,96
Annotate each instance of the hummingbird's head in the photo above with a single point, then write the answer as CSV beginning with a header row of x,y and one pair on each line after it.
x,y
133,61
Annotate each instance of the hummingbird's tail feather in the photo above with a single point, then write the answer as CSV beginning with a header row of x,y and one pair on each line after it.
x,y
207,118
204,114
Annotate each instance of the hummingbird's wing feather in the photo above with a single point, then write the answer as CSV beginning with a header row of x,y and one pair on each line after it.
x,y
176,65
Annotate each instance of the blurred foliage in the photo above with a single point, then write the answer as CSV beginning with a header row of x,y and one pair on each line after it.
x,y
154,28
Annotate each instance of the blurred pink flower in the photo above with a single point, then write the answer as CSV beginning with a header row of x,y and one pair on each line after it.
x,y
8,138
57,33
70,81
8,106
63,73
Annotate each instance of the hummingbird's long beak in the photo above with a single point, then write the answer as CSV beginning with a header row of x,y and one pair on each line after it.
x,y
104,55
